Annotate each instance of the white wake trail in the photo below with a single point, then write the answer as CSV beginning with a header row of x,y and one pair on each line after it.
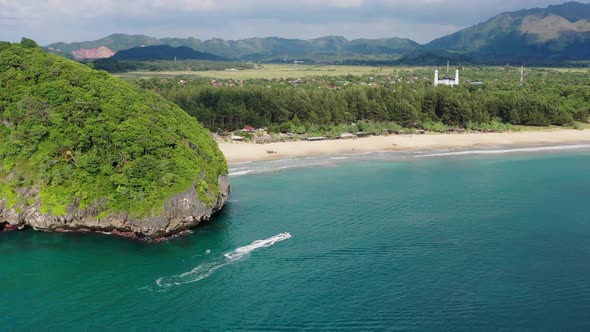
x,y
244,251
204,270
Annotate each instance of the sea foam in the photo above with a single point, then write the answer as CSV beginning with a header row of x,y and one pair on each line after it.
x,y
206,269
503,151
233,174
267,166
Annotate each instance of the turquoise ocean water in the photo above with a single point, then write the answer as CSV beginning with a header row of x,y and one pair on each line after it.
x,y
467,242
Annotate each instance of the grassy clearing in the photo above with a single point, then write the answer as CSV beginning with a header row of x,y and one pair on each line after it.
x,y
270,71
277,71
569,70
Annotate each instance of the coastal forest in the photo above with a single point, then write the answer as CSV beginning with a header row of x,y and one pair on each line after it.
x,y
489,98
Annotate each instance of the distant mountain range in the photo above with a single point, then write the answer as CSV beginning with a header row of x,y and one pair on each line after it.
x,y
164,52
257,49
276,48
552,34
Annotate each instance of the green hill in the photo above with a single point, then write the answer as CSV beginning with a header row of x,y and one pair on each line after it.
x,y
115,42
80,149
164,52
560,32
273,47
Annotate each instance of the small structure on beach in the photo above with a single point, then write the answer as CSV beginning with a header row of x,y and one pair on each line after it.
x,y
313,139
237,138
347,136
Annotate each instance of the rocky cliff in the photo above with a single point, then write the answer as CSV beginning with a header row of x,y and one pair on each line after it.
x,y
101,52
181,213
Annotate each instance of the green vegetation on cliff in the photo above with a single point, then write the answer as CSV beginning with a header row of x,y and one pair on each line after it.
x,y
72,137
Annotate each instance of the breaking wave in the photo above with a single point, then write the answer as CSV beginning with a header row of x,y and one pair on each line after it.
x,y
503,151
266,166
208,268
233,174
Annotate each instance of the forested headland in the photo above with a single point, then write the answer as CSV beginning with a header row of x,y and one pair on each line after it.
x,y
76,142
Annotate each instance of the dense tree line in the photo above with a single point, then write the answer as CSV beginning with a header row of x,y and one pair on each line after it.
x,y
280,105
122,66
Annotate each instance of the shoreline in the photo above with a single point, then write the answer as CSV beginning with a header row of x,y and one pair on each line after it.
x,y
236,153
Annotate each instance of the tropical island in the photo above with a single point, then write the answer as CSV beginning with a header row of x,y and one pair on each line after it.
x,y
81,150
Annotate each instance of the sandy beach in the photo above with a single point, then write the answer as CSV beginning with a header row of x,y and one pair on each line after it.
x,y
243,152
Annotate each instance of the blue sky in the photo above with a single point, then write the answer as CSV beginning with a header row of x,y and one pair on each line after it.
x,y
50,21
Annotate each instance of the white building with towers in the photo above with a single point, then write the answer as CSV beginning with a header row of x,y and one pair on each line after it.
x,y
446,80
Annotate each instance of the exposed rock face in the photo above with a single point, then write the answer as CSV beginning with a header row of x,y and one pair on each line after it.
x,y
94,53
552,27
181,212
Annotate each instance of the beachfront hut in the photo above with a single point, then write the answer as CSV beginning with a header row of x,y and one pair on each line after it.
x,y
248,129
347,135
237,138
